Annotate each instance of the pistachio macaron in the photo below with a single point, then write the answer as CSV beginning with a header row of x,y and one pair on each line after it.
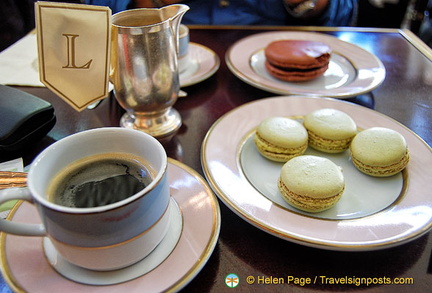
x,y
311,183
281,138
330,130
379,152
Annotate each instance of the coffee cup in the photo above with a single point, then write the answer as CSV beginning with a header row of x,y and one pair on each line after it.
x,y
105,235
183,55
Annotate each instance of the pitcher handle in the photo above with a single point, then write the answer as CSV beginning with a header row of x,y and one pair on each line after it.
x,y
19,228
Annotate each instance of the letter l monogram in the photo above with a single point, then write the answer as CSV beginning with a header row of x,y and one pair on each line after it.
x,y
71,53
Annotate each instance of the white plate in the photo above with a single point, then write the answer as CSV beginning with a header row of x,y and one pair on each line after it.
x,y
363,195
203,63
352,70
374,212
25,267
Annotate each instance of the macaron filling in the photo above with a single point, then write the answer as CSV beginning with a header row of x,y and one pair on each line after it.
x,y
382,171
277,153
307,203
328,145
293,74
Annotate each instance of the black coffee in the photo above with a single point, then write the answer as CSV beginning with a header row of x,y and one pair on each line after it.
x,y
99,180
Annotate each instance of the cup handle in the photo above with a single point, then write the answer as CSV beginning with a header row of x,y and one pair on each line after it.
x,y
19,228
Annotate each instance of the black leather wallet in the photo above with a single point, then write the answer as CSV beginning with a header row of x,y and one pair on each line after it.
x,y
24,118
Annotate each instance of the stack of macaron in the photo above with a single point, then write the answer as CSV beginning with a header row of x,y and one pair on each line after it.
x,y
297,60
313,183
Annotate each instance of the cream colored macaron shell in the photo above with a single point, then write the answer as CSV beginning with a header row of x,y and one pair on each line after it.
x,y
280,138
311,183
379,152
330,130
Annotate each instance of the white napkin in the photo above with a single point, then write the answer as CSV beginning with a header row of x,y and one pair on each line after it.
x,y
19,63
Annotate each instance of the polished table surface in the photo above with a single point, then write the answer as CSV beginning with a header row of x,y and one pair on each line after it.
x,y
242,249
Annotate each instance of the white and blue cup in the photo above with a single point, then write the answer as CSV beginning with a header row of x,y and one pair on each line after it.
x,y
105,237
183,55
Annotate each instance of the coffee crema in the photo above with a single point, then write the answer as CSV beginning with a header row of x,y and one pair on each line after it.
x,y
99,180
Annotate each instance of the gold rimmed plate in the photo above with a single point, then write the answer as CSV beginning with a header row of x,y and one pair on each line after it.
x,y
203,63
26,268
352,70
373,213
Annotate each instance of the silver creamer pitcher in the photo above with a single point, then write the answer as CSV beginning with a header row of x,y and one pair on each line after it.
x,y
144,68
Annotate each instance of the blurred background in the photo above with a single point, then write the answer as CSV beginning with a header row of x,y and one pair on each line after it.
x,y
17,17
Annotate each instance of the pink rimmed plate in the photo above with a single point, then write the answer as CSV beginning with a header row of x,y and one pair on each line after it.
x,y
203,63
26,269
352,70
246,182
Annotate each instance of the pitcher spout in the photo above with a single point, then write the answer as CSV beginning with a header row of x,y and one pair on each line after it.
x,y
175,14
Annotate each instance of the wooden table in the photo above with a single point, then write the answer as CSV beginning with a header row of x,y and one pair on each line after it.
x,y
405,95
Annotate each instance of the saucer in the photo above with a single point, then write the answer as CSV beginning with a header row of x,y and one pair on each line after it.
x,y
203,63
25,267
150,262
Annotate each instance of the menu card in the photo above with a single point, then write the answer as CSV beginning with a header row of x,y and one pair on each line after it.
x,y
74,51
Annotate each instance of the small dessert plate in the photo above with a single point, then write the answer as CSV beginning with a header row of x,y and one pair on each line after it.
x,y
352,70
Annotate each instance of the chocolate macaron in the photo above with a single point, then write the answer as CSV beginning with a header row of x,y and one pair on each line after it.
x,y
297,60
